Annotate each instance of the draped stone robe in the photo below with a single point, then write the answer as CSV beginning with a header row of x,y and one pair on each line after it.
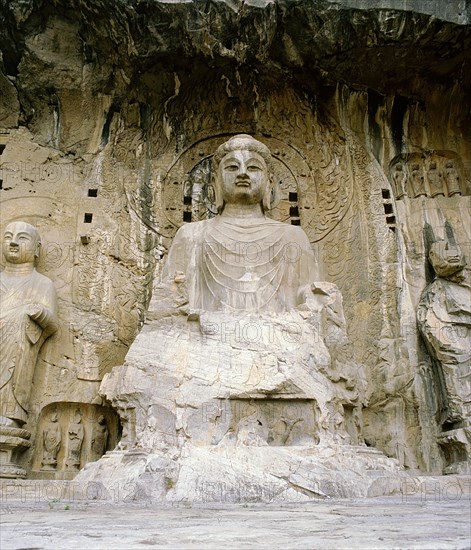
x,y
251,265
21,338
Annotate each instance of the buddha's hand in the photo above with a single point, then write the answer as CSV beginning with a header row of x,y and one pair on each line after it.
x,y
35,311
315,296
170,297
179,277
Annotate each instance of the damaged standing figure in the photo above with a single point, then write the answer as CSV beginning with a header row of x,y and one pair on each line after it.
x,y
444,320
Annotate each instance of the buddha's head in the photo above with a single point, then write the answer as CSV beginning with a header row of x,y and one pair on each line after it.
x,y
243,167
446,258
21,243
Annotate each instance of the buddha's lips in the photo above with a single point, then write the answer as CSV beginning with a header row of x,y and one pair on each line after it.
x,y
243,183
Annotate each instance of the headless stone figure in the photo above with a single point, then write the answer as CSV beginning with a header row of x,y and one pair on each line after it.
x,y
444,319
99,438
400,181
435,180
75,434
418,189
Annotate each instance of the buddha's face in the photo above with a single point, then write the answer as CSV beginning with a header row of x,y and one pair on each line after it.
x,y
20,243
243,177
446,258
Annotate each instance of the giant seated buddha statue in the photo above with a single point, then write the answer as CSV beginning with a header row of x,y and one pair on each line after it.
x,y
242,348
237,315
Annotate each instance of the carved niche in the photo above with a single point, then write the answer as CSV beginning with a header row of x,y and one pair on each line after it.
x,y
428,174
69,436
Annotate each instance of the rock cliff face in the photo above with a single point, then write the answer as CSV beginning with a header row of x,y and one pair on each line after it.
x,y
109,112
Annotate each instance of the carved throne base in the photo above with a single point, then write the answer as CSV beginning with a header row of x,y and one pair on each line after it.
x,y
235,409
13,441
244,474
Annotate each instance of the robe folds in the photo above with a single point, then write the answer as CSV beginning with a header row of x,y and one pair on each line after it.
x,y
251,265
21,338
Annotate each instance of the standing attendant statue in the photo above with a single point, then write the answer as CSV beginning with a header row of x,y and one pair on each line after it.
x,y
51,442
435,180
444,319
400,181
418,189
452,179
76,434
99,438
28,316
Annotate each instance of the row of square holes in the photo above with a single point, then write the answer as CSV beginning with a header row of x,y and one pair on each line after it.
x,y
388,209
88,216
293,210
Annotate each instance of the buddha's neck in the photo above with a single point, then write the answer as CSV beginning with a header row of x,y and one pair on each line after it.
x,y
18,269
242,211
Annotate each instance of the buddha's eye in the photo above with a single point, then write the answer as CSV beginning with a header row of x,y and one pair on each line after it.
x,y
232,167
253,168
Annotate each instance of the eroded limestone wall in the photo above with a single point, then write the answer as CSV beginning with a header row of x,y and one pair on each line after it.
x,y
109,116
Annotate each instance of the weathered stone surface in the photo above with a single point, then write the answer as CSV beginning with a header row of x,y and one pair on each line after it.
x,y
429,515
111,114
245,360
28,317
444,319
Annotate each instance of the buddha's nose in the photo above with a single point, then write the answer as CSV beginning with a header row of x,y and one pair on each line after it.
x,y
243,170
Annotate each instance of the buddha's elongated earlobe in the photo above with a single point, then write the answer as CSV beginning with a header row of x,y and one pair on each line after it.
x,y
270,195
218,198
37,249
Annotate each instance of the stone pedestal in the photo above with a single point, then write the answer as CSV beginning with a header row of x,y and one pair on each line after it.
x,y
212,412
13,441
244,474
